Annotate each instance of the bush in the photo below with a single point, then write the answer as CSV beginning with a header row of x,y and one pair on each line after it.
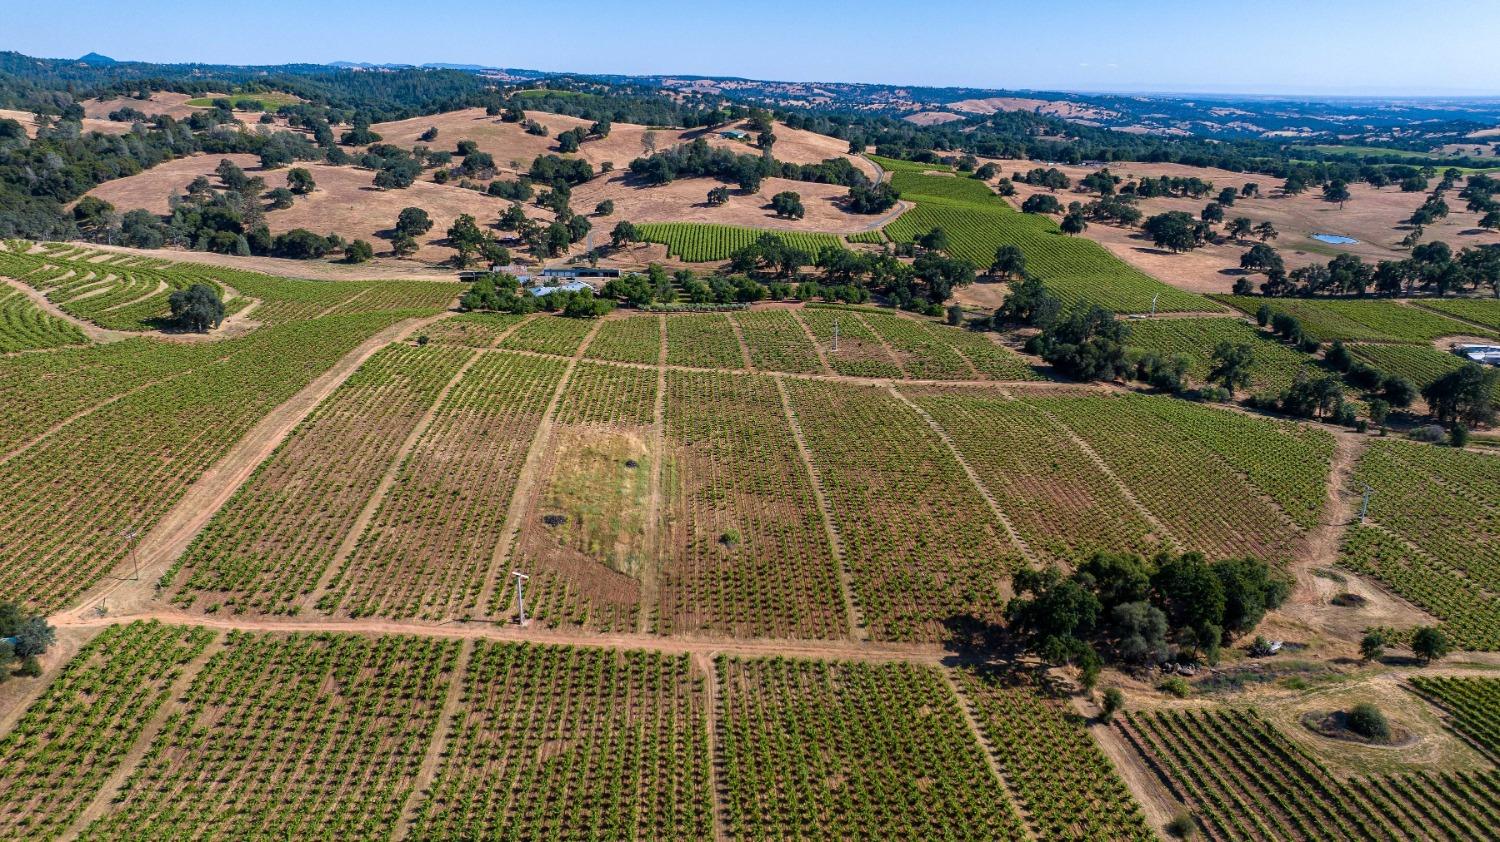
x,y
1459,436
1366,720
30,667
1114,701
1213,394
1431,434
1182,825
358,252
1175,686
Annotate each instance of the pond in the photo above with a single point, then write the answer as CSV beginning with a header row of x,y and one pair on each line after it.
x,y
1335,239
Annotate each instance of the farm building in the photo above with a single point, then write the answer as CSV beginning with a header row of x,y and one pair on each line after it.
x,y
1483,354
573,286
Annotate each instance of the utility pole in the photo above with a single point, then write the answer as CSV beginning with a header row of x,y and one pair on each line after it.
x,y
835,334
520,596
1364,502
130,535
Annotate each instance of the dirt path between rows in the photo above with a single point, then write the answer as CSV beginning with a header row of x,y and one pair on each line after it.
x,y
971,719
382,488
817,346
650,586
1093,456
427,772
1309,612
504,630
1156,801
705,662
739,336
160,548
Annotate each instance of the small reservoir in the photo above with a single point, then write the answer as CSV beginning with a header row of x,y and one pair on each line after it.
x,y
1335,239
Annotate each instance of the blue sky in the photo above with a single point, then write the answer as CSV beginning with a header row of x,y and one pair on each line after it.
x,y
1251,46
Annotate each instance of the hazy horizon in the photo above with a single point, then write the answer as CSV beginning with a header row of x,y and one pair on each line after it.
x,y
1268,48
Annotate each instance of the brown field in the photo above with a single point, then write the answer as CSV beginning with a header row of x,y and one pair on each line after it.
x,y
513,149
932,118
684,200
347,204
1374,217
153,188
173,105
344,201
28,122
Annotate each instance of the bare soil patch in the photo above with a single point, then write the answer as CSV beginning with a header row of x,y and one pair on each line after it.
x,y
28,122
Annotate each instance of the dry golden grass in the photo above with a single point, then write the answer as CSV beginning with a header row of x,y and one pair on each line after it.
x,y
28,122
1374,217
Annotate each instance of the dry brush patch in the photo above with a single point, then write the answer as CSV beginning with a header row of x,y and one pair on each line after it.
x,y
583,535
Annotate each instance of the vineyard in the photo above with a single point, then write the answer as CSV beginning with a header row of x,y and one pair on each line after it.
x,y
1275,367
268,546
429,545
698,242
873,237
67,503
1484,311
926,556
473,330
72,738
40,391
747,552
1433,535
1372,320
1245,780
861,352
544,334
289,736
1061,503
555,742
1187,464
1074,268
25,327
118,291
1421,364
851,750
703,340
777,341
632,339
1068,788
1473,704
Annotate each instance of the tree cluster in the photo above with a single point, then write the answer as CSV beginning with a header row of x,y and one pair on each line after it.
x,y
1120,607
